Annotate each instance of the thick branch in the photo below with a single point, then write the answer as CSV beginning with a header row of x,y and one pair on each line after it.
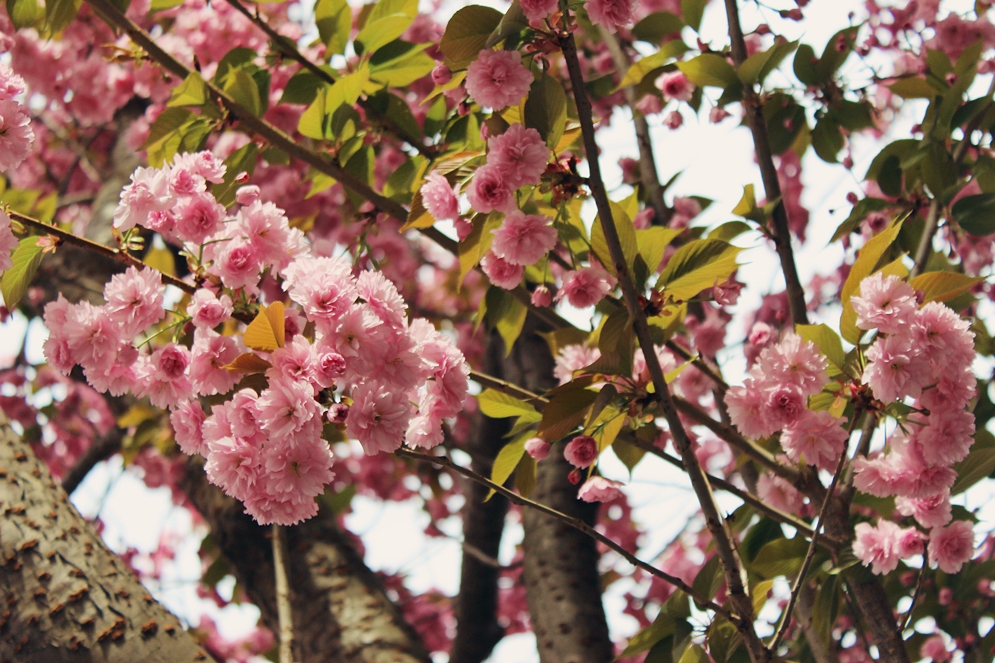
x,y
728,556
283,611
779,232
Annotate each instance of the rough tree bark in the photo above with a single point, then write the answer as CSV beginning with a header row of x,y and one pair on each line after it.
x,y
341,610
478,630
64,597
563,586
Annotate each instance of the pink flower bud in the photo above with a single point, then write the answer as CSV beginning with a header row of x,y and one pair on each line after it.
x,y
537,447
441,74
541,297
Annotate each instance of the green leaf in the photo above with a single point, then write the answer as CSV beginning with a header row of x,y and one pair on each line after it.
x,y
661,627
498,405
976,214
388,21
191,92
867,260
401,71
507,460
162,5
24,13
644,66
467,33
756,67
478,242
628,453
696,266
398,112
303,87
242,88
60,13
709,70
695,654
626,235
709,578
654,27
242,160
827,139
913,88
607,426
546,109
826,340
780,557
525,475
652,243
941,286
759,595
511,318
979,464
15,281
729,230
334,21
565,412
804,65
692,11
316,122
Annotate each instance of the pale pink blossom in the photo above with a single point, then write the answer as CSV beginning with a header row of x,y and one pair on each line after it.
x,y
238,263
439,197
7,242
148,192
134,300
674,120
675,85
207,310
520,154
537,447
541,297
610,13
501,273
246,195
233,464
718,114
572,358
943,336
885,303
727,292
912,542
523,238
16,135
424,431
497,79
902,472
581,451
794,361
747,411
779,493
586,286
210,353
895,368
815,438
535,10
877,546
641,372
298,469
163,376
951,546
600,489
935,650
490,190
931,511
286,407
783,405
197,217
944,438
378,418
324,288
187,421
381,297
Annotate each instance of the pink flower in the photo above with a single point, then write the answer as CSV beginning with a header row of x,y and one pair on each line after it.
x,y
911,543
877,546
572,358
537,447
541,297
783,405
674,120
675,85
497,79
943,336
148,192
424,431
163,376
246,195
439,198
727,292
600,489
238,264
286,407
520,154
523,238
931,511
717,114
935,650
134,300
16,135
7,243
794,361
885,303
815,438
779,493
951,546
581,451
234,465
490,190
610,13
946,437
381,297
328,365
747,411
210,353
187,421
324,287
501,273
378,418
895,369
536,10
586,286
297,470
207,310
197,218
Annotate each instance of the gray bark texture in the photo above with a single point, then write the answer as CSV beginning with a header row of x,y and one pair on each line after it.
x,y
340,610
64,597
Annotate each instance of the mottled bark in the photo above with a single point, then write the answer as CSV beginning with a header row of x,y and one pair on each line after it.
x,y
478,630
805,616
64,597
341,612
563,586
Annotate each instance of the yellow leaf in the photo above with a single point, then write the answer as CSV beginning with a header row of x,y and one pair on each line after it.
x,y
418,217
248,363
135,415
570,135
266,332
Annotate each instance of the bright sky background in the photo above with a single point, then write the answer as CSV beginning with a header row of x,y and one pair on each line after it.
x,y
716,162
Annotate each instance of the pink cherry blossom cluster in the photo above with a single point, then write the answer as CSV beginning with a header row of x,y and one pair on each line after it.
x,y
923,354
515,159
775,398
16,135
497,79
364,365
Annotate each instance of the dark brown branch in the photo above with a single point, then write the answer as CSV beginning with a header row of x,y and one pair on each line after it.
x,y
572,522
779,232
114,254
101,449
728,556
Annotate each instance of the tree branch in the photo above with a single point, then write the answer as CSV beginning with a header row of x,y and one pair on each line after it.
x,y
779,231
728,556
101,449
283,595
572,522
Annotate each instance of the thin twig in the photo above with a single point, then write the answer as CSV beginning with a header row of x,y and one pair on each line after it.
x,y
698,362
732,566
920,582
779,231
116,255
576,523
506,387
810,555
284,614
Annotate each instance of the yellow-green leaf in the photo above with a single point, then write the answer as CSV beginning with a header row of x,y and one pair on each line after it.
x,y
942,286
626,235
826,340
388,21
709,70
863,267
498,405
467,33
15,281
696,266
507,460
334,21
546,109
191,92
638,70
565,412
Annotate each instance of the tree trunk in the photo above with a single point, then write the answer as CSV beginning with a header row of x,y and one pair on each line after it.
x,y
66,598
340,609
563,586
